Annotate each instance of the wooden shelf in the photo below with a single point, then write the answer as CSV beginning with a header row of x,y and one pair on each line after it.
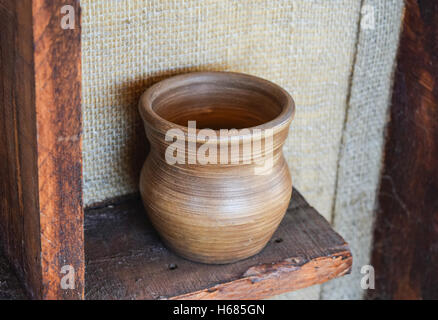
x,y
125,259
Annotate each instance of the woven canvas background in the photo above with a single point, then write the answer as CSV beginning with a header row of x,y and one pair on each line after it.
x,y
363,137
307,46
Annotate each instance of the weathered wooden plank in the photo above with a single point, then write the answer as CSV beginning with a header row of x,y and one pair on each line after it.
x,y
41,215
126,259
405,254
58,107
19,218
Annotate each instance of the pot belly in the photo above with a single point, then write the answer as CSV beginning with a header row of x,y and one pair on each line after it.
x,y
215,215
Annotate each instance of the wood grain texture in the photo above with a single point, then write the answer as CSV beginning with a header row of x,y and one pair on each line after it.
x,y
42,214
405,254
59,121
224,210
10,286
19,216
126,259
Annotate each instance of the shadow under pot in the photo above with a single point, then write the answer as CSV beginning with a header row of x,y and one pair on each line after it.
x,y
215,184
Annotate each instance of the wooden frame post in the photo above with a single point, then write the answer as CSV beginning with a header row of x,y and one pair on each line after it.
x,y
405,254
41,214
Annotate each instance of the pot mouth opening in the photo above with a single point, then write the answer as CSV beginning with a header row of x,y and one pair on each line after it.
x,y
216,100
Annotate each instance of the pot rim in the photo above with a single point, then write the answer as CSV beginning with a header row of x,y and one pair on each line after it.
x,y
161,125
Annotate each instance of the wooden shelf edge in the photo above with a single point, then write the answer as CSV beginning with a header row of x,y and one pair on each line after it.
x,y
268,280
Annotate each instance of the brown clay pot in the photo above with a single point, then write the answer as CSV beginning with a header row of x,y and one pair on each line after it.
x,y
225,211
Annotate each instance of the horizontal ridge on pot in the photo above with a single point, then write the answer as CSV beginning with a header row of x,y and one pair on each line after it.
x,y
216,195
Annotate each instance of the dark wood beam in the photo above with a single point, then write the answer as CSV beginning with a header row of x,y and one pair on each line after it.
x,y
405,254
41,215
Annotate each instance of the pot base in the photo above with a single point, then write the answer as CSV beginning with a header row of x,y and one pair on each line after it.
x,y
219,225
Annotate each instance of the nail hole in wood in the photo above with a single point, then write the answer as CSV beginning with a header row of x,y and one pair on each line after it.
x,y
172,266
278,240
